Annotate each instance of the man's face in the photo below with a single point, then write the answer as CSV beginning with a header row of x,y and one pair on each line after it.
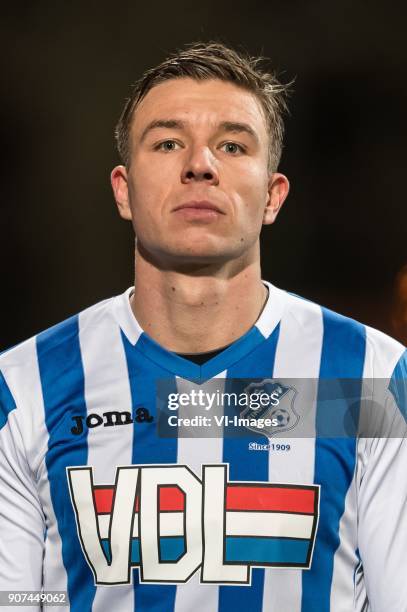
x,y
198,188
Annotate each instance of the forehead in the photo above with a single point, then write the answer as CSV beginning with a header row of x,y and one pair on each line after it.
x,y
198,103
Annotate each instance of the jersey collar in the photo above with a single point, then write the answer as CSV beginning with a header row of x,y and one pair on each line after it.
x,y
258,333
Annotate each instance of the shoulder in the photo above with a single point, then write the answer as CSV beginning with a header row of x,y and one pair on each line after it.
x,y
19,365
53,336
383,355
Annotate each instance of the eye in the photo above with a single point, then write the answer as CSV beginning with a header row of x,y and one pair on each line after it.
x,y
232,148
167,146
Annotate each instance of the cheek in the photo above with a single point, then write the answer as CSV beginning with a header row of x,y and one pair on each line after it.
x,y
147,198
251,189
153,177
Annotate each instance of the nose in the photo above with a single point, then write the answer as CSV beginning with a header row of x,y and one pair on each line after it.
x,y
200,166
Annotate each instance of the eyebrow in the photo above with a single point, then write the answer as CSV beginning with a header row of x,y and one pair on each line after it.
x,y
238,127
171,124
177,124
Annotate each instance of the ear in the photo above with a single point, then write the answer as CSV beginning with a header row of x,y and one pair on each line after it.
x,y
277,192
118,179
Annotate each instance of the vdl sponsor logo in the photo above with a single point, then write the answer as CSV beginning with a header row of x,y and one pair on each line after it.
x,y
110,419
169,523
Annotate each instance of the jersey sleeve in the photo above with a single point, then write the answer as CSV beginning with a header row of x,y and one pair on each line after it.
x,y
22,523
382,520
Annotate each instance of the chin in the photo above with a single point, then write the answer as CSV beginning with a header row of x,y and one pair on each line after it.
x,y
198,255
208,252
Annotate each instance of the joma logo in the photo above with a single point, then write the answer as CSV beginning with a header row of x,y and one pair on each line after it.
x,y
110,419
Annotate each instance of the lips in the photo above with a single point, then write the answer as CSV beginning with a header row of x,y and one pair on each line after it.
x,y
200,205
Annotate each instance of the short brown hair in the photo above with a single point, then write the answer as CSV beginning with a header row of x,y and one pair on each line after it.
x,y
213,60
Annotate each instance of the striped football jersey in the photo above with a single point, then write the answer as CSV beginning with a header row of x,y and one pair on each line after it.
x,y
97,501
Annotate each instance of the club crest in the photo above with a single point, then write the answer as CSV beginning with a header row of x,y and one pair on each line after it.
x,y
281,412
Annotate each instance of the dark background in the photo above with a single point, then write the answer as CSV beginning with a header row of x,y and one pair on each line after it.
x,y
65,70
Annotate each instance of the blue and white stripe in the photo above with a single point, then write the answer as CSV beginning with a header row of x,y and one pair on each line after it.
x,y
101,360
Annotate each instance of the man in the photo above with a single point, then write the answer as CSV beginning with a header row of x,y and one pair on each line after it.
x,y
95,498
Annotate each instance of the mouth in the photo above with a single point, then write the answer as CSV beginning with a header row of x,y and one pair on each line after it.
x,y
198,207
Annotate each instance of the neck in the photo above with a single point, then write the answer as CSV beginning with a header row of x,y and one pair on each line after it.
x,y
199,311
